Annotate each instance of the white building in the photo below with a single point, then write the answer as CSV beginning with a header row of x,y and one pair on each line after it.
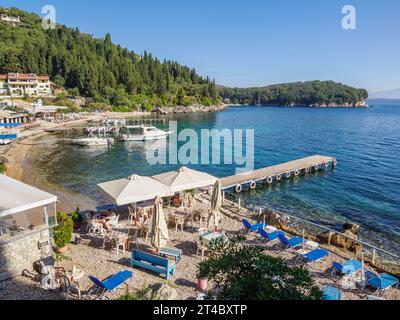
x,y
20,84
15,21
3,84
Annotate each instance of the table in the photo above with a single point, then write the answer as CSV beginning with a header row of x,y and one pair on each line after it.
x,y
206,238
171,252
74,277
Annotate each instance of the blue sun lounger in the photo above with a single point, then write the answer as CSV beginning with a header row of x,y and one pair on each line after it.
x,y
108,285
383,282
270,236
331,294
314,256
348,268
290,243
250,227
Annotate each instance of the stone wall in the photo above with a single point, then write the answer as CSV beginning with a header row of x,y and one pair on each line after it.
x,y
22,253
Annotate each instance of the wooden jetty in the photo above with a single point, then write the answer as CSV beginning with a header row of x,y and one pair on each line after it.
x,y
276,173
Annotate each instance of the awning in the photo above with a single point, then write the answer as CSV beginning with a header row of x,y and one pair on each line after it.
x,y
134,189
185,179
10,125
16,197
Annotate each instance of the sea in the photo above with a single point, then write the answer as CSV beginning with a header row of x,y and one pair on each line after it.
x,y
363,189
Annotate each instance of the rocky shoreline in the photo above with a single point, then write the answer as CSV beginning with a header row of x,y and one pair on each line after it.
x,y
189,109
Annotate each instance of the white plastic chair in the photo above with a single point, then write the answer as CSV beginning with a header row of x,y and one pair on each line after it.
x,y
121,243
179,221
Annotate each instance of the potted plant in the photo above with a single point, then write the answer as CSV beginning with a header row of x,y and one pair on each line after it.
x,y
76,218
62,234
202,276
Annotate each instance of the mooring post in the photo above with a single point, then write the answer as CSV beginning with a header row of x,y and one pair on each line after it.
x,y
373,260
330,238
240,203
223,196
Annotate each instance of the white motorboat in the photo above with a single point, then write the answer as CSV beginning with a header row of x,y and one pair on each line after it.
x,y
143,133
5,141
93,141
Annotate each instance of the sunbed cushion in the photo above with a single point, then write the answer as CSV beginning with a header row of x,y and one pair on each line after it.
x,y
383,281
117,280
316,255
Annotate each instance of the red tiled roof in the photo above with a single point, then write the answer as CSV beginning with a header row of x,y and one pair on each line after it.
x,y
22,76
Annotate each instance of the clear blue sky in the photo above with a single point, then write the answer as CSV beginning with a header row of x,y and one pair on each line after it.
x,y
250,42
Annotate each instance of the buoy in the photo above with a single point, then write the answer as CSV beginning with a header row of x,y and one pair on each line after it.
x,y
335,163
270,180
327,165
288,174
239,188
316,167
278,177
307,170
253,185
297,173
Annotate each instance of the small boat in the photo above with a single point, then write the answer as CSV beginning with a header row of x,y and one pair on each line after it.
x,y
93,141
145,133
114,122
6,139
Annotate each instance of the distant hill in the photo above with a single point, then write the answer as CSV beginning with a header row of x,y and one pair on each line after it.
x,y
388,94
96,68
309,94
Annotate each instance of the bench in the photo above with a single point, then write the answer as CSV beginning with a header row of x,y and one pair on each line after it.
x,y
154,263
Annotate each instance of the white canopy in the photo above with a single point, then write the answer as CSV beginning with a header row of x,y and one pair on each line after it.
x,y
134,189
185,179
16,197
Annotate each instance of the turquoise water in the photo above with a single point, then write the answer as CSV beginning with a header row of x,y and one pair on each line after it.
x,y
364,189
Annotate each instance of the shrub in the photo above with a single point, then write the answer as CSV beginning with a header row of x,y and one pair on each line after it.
x,y
76,217
142,294
3,167
74,92
59,81
62,234
243,272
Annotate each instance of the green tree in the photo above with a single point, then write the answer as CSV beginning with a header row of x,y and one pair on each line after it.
x,y
59,81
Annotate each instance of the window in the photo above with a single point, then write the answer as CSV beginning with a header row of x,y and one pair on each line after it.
x,y
26,222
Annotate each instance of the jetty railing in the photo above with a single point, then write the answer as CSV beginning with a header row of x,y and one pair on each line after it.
x,y
377,256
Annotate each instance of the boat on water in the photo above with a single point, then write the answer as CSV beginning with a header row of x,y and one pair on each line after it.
x,y
93,141
143,133
6,139
7,136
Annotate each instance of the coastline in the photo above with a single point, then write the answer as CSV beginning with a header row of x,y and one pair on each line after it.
x,y
20,156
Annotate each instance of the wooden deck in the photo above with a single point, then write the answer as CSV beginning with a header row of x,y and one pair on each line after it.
x,y
280,171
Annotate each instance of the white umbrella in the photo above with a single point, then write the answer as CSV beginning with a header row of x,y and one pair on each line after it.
x,y
134,189
216,203
159,228
185,179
